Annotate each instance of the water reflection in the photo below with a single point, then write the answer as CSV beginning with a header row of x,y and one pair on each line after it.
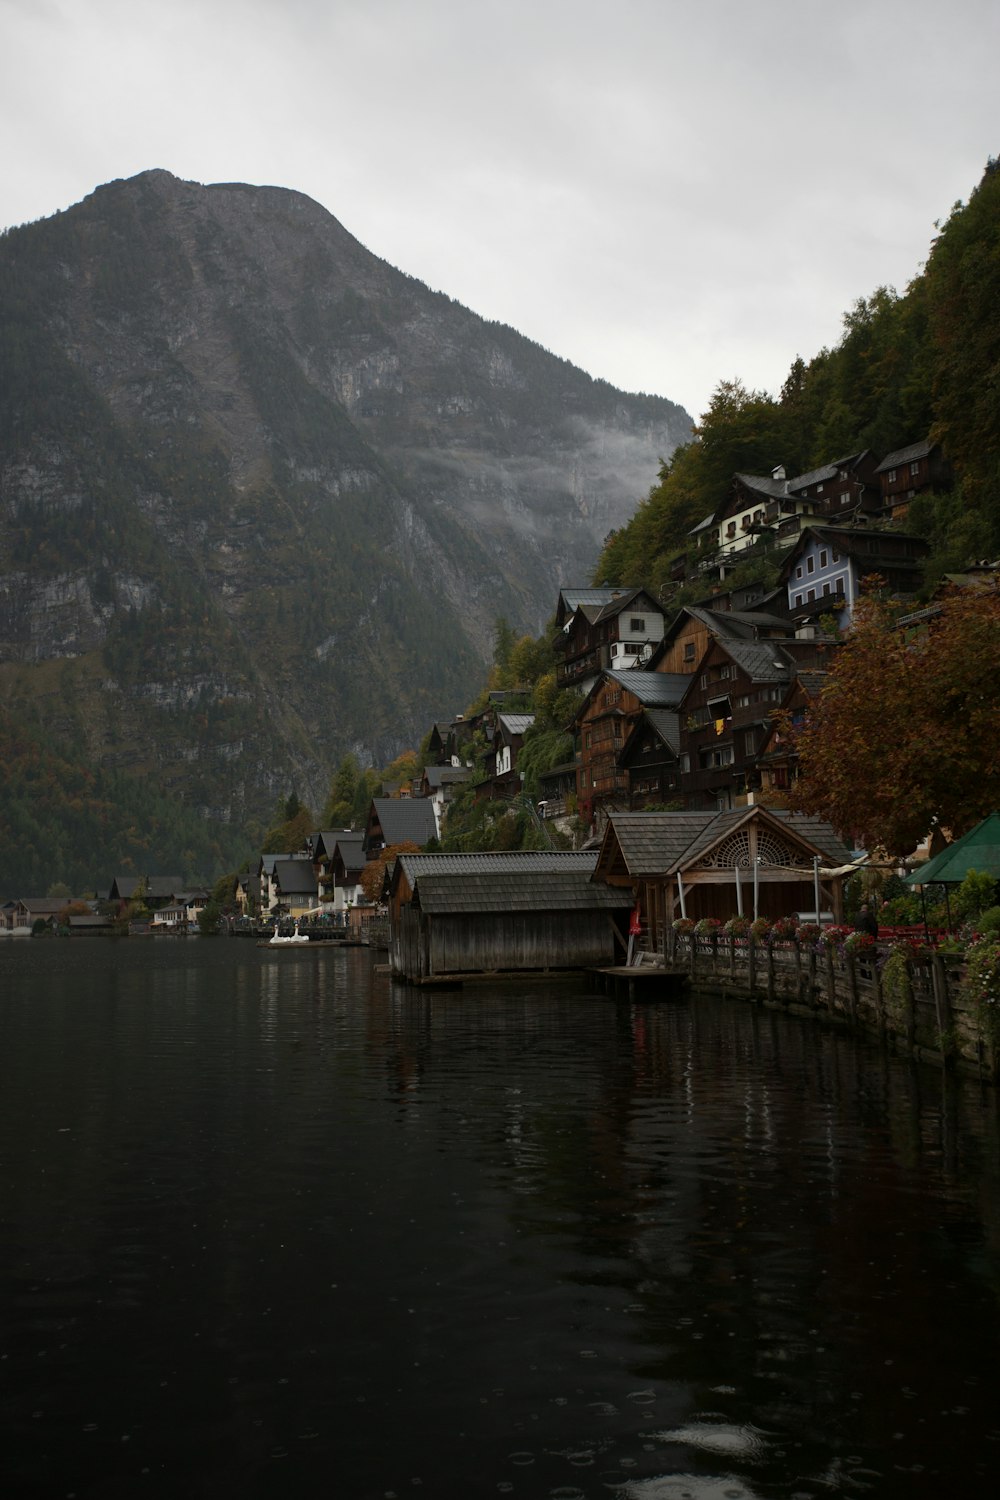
x,y
272,1226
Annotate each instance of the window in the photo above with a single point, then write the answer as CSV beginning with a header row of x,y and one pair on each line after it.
x,y
822,559
845,498
836,557
637,623
810,596
810,565
891,476
826,588
798,598
750,742
915,468
819,489
685,762
798,572
689,650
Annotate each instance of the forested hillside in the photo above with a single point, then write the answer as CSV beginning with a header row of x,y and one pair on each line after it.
x,y
924,362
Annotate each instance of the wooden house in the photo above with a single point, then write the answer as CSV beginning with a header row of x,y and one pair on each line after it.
x,y
603,723
689,633
777,763
725,715
602,628
398,820
909,472
841,490
462,915
650,758
753,861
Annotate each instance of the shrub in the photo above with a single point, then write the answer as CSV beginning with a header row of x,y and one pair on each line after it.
x,y
760,928
857,942
707,926
981,986
784,928
683,925
737,927
833,936
808,932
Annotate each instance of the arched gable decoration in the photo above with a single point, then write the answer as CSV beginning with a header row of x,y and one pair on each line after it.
x,y
753,841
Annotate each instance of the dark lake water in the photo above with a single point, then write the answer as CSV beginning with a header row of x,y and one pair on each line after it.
x,y
271,1226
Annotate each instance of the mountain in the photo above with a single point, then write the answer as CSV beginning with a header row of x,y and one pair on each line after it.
x,y
263,497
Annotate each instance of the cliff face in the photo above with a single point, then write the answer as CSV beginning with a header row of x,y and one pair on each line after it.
x,y
262,496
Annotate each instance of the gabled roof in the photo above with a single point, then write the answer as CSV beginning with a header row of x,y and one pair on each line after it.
x,y
405,820
623,601
570,600
979,849
762,661
514,724
665,725
831,470
295,877
906,455
764,485
854,541
659,844
438,776
492,883
653,689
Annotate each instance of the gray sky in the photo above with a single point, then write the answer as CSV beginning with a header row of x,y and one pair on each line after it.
x,y
666,192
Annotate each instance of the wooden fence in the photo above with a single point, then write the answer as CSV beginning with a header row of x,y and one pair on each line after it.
x,y
923,1010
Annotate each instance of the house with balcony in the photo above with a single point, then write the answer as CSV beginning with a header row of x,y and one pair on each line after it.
x,y
603,723
824,570
726,712
760,513
604,628
650,758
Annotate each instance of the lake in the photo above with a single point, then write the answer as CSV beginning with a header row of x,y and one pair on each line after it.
x,y
271,1225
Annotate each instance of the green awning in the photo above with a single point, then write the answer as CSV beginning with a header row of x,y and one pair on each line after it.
x,y
979,849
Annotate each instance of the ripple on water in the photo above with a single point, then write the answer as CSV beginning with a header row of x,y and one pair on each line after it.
x,y
743,1442
688,1487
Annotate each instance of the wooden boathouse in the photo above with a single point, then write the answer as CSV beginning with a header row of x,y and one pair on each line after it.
x,y
747,861
456,917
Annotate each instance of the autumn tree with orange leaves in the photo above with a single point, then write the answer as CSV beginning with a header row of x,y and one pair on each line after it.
x,y
905,735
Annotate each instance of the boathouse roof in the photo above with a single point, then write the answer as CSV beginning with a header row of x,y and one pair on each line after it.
x,y
534,880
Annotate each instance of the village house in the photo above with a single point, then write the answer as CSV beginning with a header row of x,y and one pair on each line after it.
x,y
824,570
725,715
501,779
760,512
650,758
151,890
840,491
393,820
909,472
602,724
777,764
438,784
602,628
751,861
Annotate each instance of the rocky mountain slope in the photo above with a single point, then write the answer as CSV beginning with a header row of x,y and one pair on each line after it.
x,y
262,496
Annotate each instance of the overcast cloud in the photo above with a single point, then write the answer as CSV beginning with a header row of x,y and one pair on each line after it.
x,y
666,192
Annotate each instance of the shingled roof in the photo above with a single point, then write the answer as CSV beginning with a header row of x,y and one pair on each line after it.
x,y
653,844
405,820
530,881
